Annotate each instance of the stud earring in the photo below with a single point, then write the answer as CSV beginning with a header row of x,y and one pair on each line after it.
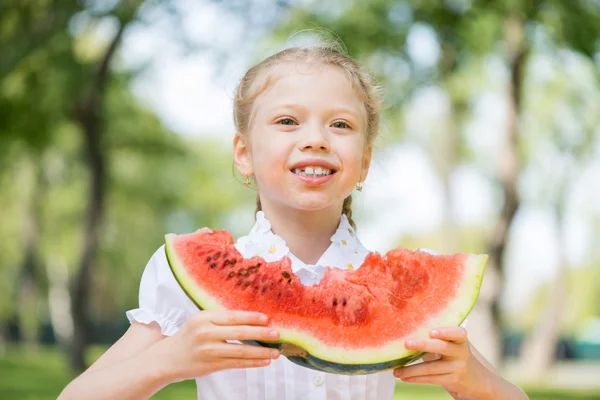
x,y
359,187
247,182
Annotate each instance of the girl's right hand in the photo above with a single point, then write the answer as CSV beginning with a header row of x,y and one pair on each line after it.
x,y
200,347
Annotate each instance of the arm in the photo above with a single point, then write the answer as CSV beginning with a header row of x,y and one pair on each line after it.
x,y
498,388
461,369
129,369
144,361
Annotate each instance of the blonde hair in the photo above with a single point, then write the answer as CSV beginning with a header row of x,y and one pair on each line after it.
x,y
258,78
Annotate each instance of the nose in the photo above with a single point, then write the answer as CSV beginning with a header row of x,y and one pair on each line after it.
x,y
314,137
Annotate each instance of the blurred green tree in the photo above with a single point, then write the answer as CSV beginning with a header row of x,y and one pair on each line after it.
x,y
69,126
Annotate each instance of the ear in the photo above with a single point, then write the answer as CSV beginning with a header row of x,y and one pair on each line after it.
x,y
366,162
241,155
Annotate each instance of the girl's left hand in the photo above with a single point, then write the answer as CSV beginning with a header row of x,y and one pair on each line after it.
x,y
457,370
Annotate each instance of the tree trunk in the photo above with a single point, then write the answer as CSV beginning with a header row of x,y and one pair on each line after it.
x,y
449,148
539,348
486,320
27,296
59,301
89,116
3,338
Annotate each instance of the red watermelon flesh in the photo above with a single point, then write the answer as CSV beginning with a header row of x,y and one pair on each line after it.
x,y
350,318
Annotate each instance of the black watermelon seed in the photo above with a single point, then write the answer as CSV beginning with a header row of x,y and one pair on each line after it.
x,y
290,281
344,302
231,275
243,272
335,302
247,284
264,290
208,259
213,265
286,274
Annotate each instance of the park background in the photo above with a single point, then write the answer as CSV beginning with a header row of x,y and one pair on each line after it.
x,y
116,127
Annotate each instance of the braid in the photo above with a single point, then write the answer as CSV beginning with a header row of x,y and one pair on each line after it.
x,y
347,209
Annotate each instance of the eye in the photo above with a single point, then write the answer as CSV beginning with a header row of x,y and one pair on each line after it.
x,y
286,121
341,125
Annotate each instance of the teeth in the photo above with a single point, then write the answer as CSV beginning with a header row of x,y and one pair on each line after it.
x,y
312,171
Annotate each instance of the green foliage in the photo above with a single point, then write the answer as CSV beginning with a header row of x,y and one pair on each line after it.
x,y
153,175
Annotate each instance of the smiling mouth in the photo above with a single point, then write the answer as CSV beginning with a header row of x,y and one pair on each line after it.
x,y
313,172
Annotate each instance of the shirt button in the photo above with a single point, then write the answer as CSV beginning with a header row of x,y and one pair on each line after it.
x,y
319,379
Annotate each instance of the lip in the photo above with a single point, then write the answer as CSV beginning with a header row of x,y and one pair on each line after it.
x,y
314,162
309,180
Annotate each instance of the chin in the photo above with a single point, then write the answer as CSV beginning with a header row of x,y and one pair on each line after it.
x,y
312,203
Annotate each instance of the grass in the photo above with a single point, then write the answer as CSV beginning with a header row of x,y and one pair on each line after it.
x,y
41,375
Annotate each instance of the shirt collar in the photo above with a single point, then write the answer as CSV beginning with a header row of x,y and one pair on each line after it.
x,y
345,251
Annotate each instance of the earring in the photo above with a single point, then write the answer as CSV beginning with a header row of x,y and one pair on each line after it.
x,y
359,187
247,182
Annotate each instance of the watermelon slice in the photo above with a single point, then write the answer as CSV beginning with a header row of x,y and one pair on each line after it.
x,y
352,322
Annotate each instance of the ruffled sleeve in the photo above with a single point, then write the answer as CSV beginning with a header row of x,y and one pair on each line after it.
x,y
161,298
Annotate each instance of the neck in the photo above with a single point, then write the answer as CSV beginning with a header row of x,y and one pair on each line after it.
x,y
307,233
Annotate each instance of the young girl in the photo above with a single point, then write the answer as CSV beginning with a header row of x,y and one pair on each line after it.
x,y
306,120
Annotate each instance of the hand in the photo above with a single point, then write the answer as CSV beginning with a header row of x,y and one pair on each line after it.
x,y
200,347
451,364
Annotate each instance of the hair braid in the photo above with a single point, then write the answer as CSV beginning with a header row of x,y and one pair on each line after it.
x,y
347,209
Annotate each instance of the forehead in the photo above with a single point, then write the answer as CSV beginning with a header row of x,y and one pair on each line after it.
x,y
311,85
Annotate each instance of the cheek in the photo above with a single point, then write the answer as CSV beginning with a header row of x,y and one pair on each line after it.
x,y
351,153
269,154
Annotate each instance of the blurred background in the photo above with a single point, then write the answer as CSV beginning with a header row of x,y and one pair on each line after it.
x,y
116,128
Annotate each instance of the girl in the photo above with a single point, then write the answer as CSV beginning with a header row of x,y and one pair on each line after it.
x,y
306,120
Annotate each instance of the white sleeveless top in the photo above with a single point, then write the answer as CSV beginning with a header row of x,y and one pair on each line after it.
x,y
162,300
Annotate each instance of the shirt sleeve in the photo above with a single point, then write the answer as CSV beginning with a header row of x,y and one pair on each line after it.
x,y
161,298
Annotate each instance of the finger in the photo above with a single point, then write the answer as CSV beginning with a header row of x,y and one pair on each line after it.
x,y
228,318
456,334
425,368
439,380
431,356
245,351
447,349
229,363
244,332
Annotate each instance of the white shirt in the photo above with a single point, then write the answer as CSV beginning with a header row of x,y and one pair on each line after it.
x,y
162,300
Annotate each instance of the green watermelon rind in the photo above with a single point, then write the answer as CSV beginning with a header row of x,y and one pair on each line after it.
x,y
452,315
